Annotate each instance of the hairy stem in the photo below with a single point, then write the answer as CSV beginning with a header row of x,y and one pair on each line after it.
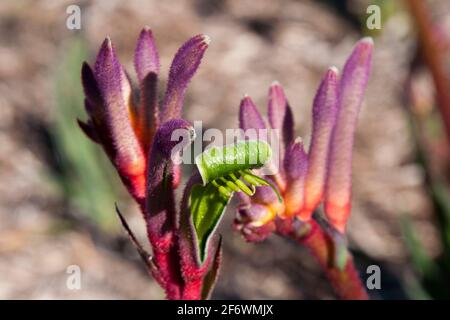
x,y
346,281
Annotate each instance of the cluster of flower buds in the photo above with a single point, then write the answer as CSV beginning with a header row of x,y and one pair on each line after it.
x,y
136,134
323,174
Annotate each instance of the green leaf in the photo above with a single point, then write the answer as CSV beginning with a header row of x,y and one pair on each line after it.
x,y
220,169
422,262
207,207
432,275
210,279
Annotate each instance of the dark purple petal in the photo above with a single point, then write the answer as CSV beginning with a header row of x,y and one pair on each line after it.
x,y
324,115
296,161
116,93
160,212
146,62
115,90
95,111
173,133
184,66
90,86
148,111
280,113
249,116
146,58
88,130
160,207
353,85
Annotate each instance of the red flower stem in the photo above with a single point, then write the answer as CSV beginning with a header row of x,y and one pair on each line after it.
x,y
168,264
433,58
346,282
192,289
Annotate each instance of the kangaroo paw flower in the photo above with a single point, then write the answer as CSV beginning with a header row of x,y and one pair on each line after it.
x,y
324,115
295,165
108,100
324,174
184,65
249,116
146,63
138,141
280,114
352,88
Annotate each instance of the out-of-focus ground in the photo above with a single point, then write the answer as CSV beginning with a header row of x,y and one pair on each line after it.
x,y
253,44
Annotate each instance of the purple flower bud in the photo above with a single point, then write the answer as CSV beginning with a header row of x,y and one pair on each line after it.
x,y
184,66
146,58
280,113
324,116
353,85
249,116
295,166
146,62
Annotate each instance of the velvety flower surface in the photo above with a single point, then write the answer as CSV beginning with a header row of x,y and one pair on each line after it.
x,y
136,134
125,127
323,174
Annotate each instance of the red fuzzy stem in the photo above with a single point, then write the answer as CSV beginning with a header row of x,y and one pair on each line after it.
x,y
346,282
193,289
167,262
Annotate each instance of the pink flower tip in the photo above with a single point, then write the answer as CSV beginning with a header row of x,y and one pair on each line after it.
x,y
368,40
298,140
108,42
206,39
275,83
334,70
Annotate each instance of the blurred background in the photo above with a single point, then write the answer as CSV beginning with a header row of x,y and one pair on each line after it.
x,y
57,189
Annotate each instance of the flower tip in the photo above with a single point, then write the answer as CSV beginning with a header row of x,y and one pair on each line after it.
x,y
249,116
108,43
206,39
247,100
88,130
146,32
275,83
333,69
276,91
298,140
367,40
106,49
85,70
83,125
365,45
